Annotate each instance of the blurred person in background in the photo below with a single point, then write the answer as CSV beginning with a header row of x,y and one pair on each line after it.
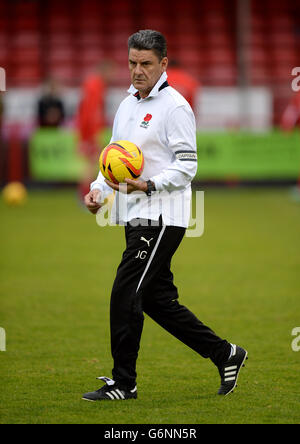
x,y
291,115
291,120
183,82
91,119
51,110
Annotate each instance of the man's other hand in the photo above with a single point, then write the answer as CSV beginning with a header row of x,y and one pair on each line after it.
x,y
91,201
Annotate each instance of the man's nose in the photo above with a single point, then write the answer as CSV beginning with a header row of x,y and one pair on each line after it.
x,y
138,69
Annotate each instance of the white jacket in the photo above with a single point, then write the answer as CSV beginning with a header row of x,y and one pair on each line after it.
x,y
168,142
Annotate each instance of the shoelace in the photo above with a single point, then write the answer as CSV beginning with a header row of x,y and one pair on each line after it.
x,y
108,383
107,380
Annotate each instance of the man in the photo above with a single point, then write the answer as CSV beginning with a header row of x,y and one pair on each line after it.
x,y
144,281
91,119
183,82
51,110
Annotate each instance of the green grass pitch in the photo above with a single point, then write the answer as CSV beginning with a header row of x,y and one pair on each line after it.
x,y
241,278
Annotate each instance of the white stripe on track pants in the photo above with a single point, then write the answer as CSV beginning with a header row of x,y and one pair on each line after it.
x,y
144,284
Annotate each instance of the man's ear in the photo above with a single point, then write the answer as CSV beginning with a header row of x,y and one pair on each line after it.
x,y
164,64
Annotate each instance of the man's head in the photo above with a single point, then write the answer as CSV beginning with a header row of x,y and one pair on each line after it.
x,y
147,54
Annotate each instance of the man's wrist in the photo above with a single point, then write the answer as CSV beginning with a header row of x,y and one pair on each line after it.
x,y
150,187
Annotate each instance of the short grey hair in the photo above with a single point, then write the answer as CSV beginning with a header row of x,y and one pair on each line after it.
x,y
149,39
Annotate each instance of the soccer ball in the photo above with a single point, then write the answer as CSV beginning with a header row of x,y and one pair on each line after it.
x,y
14,194
121,160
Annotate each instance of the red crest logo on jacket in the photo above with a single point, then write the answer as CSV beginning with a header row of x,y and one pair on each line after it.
x,y
146,121
147,118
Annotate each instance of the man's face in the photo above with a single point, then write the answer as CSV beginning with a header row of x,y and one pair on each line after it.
x,y
145,69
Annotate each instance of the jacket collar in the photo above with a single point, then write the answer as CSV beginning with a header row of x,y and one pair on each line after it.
x,y
155,90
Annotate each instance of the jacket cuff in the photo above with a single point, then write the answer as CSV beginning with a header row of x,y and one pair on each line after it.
x,y
104,191
157,183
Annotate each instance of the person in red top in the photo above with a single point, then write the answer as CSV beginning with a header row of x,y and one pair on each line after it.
x,y
291,119
91,118
183,82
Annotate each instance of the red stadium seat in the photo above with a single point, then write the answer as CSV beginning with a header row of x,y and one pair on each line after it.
x,y
59,7
90,39
220,75
118,42
259,76
257,39
284,56
120,56
219,56
25,76
152,9
184,23
90,55
281,39
25,39
4,59
26,56
157,23
88,9
215,22
24,7
59,38
281,75
123,76
257,23
120,6
276,7
64,73
3,24
60,54
59,24
258,56
282,23
187,41
88,25
189,57
219,39
3,40
25,23
215,5
257,6
182,8
121,24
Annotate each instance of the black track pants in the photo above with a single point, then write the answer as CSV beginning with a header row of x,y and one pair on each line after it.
x,y
144,283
